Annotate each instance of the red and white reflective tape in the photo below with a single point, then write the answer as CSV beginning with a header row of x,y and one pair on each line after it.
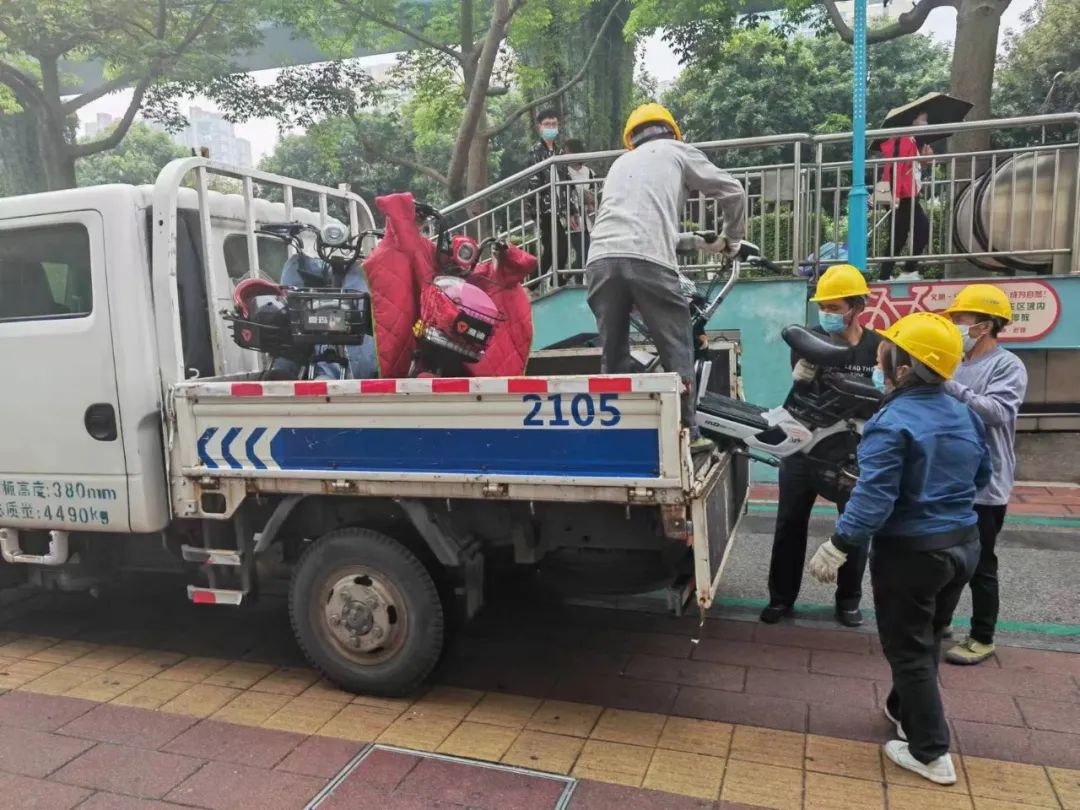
x,y
214,596
605,384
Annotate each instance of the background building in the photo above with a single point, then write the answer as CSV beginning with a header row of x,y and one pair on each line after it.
x,y
211,130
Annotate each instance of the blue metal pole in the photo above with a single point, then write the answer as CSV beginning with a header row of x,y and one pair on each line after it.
x,y
857,196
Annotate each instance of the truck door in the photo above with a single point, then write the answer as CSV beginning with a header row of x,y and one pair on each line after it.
x,y
61,450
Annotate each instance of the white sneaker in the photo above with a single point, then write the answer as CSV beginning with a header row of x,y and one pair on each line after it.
x,y
940,771
899,728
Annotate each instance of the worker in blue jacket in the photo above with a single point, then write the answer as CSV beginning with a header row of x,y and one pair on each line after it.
x,y
922,458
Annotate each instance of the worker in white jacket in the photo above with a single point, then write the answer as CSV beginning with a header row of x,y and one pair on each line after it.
x,y
632,261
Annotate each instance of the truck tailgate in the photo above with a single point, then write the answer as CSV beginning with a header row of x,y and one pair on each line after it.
x,y
581,438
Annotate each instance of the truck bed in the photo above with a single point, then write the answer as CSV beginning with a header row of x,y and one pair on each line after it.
x,y
556,438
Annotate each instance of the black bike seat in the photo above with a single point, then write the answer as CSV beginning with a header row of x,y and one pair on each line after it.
x,y
735,410
855,386
814,347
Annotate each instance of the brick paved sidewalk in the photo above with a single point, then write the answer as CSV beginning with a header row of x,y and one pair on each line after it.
x,y
755,716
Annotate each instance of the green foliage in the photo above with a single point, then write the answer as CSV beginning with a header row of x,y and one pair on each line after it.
x,y
594,110
297,98
135,39
137,43
137,160
1049,44
542,46
344,150
759,83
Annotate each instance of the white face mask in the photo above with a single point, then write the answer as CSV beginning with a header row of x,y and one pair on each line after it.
x,y
969,341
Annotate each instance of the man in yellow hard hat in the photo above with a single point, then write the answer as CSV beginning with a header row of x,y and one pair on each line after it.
x,y
632,260
841,295
992,382
922,458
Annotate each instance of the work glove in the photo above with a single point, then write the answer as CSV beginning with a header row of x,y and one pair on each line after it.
x,y
721,245
804,371
729,247
826,562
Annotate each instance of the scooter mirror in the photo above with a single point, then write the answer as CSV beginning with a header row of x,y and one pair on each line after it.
x,y
748,249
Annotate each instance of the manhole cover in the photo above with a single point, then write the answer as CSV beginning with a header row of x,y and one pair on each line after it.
x,y
383,771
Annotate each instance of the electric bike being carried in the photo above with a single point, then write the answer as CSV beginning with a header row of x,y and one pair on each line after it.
x,y
457,316
315,324
821,419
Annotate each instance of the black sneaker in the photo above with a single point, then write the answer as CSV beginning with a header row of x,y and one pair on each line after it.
x,y
849,618
774,613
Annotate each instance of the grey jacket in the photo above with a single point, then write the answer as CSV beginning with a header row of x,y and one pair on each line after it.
x,y
644,195
994,386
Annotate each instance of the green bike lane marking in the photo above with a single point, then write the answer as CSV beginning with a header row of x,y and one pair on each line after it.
x,y
767,507
959,621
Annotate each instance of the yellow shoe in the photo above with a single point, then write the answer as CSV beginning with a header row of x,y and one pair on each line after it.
x,y
702,445
969,652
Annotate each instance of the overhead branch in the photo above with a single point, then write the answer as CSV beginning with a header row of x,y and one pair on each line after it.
x,y
393,25
156,68
77,103
577,77
907,23
375,152
117,133
477,94
23,85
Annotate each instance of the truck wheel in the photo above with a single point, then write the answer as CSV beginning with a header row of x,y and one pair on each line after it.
x,y
366,612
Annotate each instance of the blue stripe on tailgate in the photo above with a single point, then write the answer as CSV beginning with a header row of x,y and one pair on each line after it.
x,y
207,435
623,453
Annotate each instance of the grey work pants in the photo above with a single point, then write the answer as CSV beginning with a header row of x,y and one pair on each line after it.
x,y
619,284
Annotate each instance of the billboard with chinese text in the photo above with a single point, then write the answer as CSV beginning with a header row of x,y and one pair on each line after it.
x,y
1038,307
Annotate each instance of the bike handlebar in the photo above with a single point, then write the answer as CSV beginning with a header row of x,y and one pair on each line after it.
x,y
342,242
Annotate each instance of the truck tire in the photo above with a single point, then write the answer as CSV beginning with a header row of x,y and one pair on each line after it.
x,y
366,612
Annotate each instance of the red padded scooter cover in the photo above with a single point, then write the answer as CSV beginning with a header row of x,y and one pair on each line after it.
x,y
400,266
403,264
502,279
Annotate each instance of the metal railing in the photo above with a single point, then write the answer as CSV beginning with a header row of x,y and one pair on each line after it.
x,y
1007,210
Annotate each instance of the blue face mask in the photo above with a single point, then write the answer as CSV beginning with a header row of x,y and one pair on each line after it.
x,y
831,322
878,379
549,134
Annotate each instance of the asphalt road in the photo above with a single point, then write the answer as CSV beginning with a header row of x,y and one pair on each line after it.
x,y
1039,571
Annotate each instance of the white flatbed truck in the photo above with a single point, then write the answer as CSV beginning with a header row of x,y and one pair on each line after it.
x,y
134,437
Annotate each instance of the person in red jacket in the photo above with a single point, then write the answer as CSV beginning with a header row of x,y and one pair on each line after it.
x,y
908,216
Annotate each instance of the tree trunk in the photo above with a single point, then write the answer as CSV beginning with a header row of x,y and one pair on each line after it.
x,y
608,92
974,57
476,173
22,169
60,171
477,91
56,158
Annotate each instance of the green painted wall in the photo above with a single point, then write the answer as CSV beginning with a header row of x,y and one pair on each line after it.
x,y
757,309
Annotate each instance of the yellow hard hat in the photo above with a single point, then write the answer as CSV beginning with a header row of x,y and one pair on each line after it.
x,y
651,113
930,338
986,299
840,281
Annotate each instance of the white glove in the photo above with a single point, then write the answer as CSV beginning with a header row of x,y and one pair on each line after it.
x,y
730,246
688,242
826,562
804,371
